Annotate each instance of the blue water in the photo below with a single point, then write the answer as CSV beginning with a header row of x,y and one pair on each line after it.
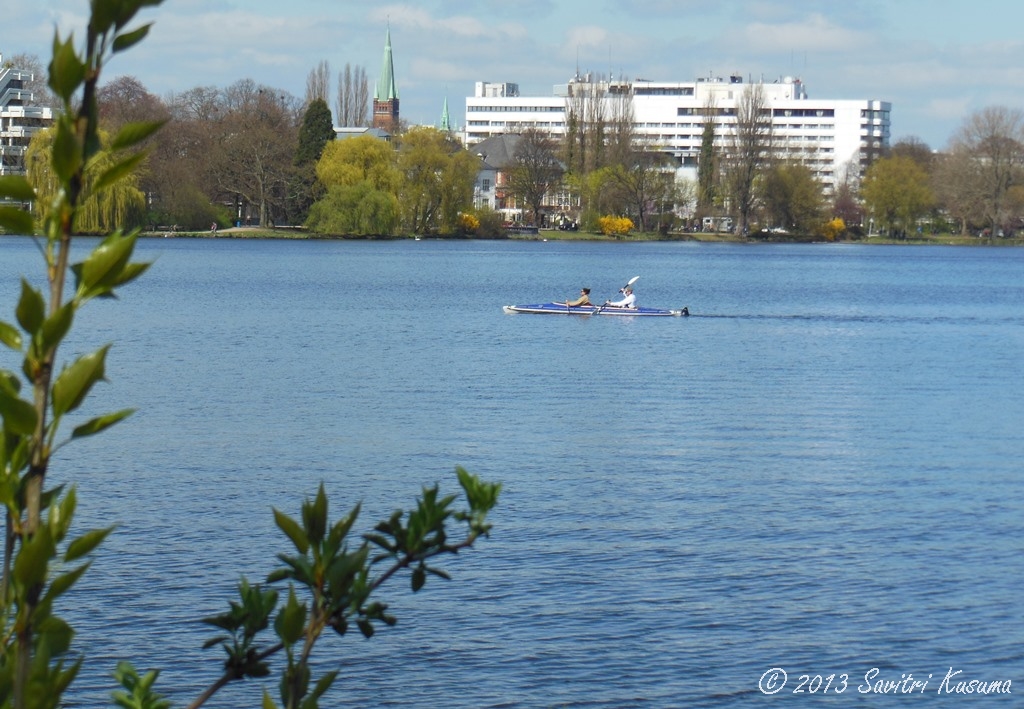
x,y
819,471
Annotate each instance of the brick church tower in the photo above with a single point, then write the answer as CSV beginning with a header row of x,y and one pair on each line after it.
x,y
385,95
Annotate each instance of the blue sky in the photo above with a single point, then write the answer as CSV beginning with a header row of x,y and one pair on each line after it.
x,y
935,60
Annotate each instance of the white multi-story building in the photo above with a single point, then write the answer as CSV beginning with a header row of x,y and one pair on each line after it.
x,y
19,120
829,136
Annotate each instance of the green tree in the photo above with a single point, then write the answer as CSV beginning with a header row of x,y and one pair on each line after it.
x,y
897,192
353,160
707,163
793,198
316,132
430,176
360,181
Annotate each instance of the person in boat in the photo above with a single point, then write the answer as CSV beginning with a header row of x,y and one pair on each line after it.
x,y
628,300
584,299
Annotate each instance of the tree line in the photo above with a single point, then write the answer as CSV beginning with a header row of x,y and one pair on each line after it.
x,y
255,154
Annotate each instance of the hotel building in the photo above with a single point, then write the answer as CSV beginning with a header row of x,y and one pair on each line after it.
x,y
829,136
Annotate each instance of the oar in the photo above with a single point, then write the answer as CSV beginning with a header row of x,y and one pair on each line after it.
x,y
630,282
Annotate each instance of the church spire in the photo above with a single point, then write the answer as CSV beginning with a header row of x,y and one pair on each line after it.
x,y
385,95
386,89
446,124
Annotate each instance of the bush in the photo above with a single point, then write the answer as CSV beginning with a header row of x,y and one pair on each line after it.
x,y
615,226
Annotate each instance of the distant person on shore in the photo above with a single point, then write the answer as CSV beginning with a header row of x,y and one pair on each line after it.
x,y
213,228
628,299
584,299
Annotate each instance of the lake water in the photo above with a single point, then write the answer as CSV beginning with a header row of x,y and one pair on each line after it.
x,y
818,471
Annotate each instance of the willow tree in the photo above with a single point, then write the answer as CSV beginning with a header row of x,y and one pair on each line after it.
x,y
121,205
897,192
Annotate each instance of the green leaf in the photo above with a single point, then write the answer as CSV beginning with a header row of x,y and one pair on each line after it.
x,y
294,531
129,39
314,516
60,585
365,627
66,152
16,221
323,684
86,543
100,423
66,70
418,578
134,133
74,382
268,703
33,559
118,171
291,620
10,336
56,326
104,265
17,188
19,416
31,310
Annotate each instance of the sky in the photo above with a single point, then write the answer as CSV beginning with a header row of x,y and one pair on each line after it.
x,y
936,61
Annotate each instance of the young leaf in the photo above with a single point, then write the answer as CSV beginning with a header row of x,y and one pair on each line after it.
x,y
100,423
291,620
31,309
17,188
118,171
66,70
10,336
104,265
294,531
124,41
16,221
74,382
19,416
86,543
56,326
134,133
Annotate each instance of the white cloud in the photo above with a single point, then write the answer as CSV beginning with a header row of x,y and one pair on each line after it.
x,y
813,33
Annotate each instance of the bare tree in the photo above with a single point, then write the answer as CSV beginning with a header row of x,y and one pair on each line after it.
x,y
994,136
318,83
353,97
749,153
958,182
536,170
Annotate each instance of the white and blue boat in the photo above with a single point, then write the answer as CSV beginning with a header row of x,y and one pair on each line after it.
x,y
563,309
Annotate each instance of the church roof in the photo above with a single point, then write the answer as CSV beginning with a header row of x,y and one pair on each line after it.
x,y
386,89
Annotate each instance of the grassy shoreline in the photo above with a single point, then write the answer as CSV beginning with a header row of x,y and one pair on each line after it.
x,y
555,235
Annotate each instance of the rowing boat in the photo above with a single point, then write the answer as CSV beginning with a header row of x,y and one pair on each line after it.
x,y
562,309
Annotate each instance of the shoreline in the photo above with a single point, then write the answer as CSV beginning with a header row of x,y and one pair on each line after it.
x,y
298,233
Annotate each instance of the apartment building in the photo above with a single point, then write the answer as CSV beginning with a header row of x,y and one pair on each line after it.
x,y
829,136
19,119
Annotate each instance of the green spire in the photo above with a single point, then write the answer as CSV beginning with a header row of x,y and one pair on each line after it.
x,y
386,89
446,124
